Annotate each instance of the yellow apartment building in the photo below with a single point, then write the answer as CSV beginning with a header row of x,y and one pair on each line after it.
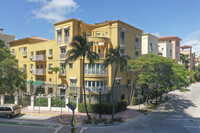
x,y
36,55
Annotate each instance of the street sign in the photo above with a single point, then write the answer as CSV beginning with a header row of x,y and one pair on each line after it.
x,y
69,105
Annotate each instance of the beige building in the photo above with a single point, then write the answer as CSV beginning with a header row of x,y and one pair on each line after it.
x,y
6,38
187,50
165,49
36,55
175,41
149,43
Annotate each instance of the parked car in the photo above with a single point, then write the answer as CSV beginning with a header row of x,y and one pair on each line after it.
x,y
9,110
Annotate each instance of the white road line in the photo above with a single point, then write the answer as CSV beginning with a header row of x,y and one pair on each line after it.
x,y
82,129
58,129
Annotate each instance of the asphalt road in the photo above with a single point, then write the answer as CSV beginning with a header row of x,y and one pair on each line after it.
x,y
179,115
22,129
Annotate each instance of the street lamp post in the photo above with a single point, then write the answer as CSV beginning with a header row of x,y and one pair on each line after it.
x,y
100,103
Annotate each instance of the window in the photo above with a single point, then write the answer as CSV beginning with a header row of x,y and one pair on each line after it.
x,y
98,34
162,49
49,79
62,92
32,53
31,66
94,86
24,67
136,54
25,49
59,36
94,69
117,82
122,51
19,49
70,66
67,35
13,51
151,47
50,65
73,83
50,52
129,81
122,37
63,50
170,52
137,44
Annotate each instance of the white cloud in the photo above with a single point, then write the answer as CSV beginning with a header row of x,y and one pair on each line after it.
x,y
193,39
54,10
156,34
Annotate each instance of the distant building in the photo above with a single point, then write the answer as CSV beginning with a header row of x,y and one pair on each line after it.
x,y
149,44
197,60
187,50
175,45
165,49
6,38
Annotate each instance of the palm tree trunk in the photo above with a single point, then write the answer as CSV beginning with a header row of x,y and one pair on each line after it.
x,y
112,95
84,88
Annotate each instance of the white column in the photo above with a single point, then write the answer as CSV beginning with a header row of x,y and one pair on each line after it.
x,y
49,103
67,101
16,100
32,102
77,101
2,99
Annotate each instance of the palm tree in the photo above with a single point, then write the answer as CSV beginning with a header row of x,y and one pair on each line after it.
x,y
121,61
56,70
184,59
81,48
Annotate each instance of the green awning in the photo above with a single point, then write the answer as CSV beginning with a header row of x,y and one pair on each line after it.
x,y
38,83
28,82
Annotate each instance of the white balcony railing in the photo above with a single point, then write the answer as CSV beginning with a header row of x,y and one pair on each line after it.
x,y
96,72
101,55
67,39
38,57
24,53
39,71
62,55
96,89
63,72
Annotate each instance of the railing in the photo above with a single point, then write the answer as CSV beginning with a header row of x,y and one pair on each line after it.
x,y
38,57
59,41
72,90
62,55
39,71
96,72
24,53
96,89
101,55
63,72
67,39
137,45
122,41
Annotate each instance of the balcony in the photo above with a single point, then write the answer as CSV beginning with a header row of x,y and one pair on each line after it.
x,y
63,72
101,55
137,45
38,58
39,71
96,89
24,53
72,90
96,72
62,56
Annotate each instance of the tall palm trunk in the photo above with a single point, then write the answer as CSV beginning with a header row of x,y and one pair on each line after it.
x,y
56,85
84,88
112,95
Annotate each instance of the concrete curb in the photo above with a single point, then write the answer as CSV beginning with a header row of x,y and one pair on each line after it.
x,y
39,114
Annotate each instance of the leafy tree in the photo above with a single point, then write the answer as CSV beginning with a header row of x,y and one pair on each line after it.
x,y
12,79
113,57
2,44
81,48
197,73
184,59
56,70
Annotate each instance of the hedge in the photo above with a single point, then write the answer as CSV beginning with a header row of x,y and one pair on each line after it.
x,y
135,101
56,102
106,108
43,102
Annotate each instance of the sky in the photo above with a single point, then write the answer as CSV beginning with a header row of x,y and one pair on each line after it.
x,y
25,18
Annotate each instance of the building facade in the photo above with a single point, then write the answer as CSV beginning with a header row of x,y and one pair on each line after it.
x,y
175,41
6,38
36,55
165,49
190,63
149,43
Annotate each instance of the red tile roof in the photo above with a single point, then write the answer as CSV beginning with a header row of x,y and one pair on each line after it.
x,y
170,38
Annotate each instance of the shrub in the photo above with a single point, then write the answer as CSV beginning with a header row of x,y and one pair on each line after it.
x,y
43,102
73,103
56,102
106,108
135,101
